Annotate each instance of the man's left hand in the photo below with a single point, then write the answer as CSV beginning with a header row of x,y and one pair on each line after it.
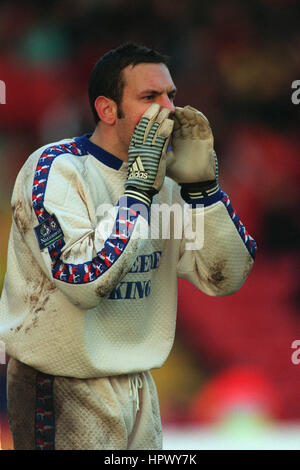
x,y
192,160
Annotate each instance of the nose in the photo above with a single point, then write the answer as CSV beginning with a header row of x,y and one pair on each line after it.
x,y
166,102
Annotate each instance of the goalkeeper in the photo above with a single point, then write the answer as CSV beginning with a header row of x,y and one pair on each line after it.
x,y
86,316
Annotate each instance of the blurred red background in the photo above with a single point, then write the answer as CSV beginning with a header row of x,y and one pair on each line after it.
x,y
236,62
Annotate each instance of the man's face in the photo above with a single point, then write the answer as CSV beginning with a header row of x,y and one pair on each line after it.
x,y
144,84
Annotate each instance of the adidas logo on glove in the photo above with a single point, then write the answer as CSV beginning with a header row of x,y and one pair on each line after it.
x,y
138,170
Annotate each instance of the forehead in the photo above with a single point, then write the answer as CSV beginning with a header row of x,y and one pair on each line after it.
x,y
147,76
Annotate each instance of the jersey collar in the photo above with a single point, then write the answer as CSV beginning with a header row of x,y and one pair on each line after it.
x,y
102,155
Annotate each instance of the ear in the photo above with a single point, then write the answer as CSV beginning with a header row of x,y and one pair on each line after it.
x,y
106,109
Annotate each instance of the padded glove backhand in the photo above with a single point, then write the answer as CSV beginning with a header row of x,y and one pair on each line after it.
x,y
147,154
192,158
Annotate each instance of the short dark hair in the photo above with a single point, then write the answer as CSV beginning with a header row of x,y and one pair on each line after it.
x,y
106,76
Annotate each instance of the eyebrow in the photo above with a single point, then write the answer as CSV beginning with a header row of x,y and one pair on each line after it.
x,y
173,91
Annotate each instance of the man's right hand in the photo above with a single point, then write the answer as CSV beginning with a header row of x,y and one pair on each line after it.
x,y
147,154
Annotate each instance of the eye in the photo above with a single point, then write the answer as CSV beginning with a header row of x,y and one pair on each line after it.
x,y
148,97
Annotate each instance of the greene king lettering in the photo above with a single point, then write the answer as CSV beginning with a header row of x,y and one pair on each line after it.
x,y
144,263
133,290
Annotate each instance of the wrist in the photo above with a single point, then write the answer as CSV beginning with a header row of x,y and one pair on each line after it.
x,y
204,193
135,203
199,189
140,194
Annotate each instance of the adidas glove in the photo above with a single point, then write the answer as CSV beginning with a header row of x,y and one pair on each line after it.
x,y
147,154
192,162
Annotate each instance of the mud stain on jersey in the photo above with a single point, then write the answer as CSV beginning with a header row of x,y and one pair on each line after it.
x,y
38,297
112,279
18,328
116,273
20,217
248,266
65,255
80,250
216,274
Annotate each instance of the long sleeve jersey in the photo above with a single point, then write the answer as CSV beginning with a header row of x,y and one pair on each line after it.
x,y
84,302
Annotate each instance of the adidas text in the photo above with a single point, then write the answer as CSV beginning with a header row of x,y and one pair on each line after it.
x,y
138,174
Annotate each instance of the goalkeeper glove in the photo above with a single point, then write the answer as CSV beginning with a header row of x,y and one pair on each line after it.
x,y
147,154
192,162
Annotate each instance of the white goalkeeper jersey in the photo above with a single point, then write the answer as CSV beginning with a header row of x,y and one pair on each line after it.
x,y
91,282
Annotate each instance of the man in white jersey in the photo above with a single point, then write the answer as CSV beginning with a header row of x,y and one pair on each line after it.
x,y
85,315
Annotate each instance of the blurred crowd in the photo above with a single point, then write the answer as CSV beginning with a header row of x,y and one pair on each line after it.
x,y
235,61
